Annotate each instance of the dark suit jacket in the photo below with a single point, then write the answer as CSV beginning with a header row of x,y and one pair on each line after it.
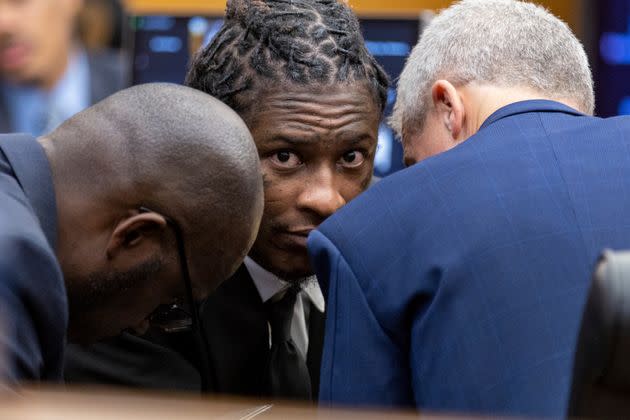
x,y
458,284
108,74
33,308
236,326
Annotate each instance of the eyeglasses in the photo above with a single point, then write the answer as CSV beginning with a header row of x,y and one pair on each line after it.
x,y
174,318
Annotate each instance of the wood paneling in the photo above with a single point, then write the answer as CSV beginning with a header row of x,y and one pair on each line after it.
x,y
569,10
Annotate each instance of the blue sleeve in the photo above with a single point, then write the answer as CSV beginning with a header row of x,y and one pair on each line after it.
x,y
33,311
361,363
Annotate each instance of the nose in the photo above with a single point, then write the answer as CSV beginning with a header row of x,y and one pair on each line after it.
x,y
8,15
8,19
321,194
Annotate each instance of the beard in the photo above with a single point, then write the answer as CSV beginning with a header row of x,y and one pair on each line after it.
x,y
92,298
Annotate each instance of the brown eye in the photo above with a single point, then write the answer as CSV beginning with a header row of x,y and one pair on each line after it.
x,y
285,159
352,159
283,156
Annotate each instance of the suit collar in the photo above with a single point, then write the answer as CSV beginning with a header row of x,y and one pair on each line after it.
x,y
316,327
537,105
32,170
98,88
109,72
5,126
235,320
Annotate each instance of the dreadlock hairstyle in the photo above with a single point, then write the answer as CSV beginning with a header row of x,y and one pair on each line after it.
x,y
305,42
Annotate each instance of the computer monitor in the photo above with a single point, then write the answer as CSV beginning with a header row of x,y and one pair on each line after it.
x,y
612,64
162,47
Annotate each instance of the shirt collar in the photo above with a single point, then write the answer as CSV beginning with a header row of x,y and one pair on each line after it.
x,y
537,105
72,92
269,285
32,170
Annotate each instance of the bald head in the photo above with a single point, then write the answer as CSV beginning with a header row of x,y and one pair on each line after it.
x,y
168,148
148,134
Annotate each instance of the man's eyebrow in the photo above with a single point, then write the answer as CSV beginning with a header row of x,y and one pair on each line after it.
x,y
347,139
302,140
356,137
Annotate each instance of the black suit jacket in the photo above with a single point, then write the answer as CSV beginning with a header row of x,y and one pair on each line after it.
x,y
235,320
109,73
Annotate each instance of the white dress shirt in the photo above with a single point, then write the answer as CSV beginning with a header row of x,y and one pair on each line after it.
x,y
270,285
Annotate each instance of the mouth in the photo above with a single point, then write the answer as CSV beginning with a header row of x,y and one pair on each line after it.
x,y
13,56
293,238
302,231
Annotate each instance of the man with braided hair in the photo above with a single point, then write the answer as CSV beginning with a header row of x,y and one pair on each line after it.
x,y
299,75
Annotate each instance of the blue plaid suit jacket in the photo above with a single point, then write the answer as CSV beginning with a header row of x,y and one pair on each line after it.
x,y
458,284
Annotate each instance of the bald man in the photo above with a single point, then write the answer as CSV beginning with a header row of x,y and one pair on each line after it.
x,y
153,196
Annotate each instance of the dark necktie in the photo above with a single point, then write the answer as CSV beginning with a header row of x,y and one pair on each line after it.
x,y
288,374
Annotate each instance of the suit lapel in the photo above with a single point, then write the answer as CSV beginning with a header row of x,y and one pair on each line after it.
x,y
316,324
99,88
108,74
235,320
5,126
236,326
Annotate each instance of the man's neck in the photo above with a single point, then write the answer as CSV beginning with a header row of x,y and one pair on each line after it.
x,y
484,100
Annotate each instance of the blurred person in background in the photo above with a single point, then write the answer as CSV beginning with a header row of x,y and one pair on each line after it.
x,y
100,24
150,197
46,74
458,284
300,76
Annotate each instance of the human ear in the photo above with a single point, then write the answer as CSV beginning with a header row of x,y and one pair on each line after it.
x,y
449,105
141,231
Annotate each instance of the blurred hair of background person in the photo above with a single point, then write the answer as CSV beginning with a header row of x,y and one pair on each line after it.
x,y
46,73
300,76
459,283
100,24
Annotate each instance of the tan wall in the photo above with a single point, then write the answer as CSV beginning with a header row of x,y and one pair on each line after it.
x,y
569,10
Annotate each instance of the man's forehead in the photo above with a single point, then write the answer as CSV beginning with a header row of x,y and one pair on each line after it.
x,y
295,96
327,133
343,95
302,111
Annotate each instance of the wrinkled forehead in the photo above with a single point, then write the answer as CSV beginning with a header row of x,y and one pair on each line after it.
x,y
318,111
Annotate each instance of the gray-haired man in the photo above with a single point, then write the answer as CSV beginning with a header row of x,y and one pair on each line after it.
x,y
458,284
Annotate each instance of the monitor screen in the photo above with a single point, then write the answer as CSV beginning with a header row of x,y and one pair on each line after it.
x,y
162,47
612,76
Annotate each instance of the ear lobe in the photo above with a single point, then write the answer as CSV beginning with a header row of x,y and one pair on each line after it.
x,y
449,104
133,230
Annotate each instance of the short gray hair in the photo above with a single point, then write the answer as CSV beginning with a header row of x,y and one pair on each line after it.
x,y
506,43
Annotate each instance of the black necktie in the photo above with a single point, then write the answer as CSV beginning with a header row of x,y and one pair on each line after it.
x,y
288,374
